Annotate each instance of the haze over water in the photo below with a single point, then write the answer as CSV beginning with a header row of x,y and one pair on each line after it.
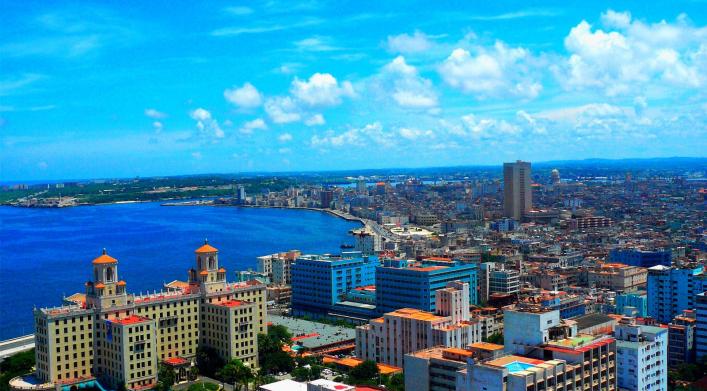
x,y
47,253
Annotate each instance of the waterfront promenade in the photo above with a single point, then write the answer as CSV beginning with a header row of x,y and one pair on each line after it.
x,y
16,345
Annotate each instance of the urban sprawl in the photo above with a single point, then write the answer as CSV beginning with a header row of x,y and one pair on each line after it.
x,y
527,282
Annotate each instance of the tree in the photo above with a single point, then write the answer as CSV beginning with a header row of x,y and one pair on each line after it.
x,y
208,361
365,371
396,382
280,334
15,365
165,378
193,373
496,338
236,373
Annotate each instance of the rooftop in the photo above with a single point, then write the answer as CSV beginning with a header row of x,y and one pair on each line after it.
x,y
132,319
231,303
325,334
514,363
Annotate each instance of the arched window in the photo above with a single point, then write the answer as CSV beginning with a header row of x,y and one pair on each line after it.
x,y
212,263
109,274
198,263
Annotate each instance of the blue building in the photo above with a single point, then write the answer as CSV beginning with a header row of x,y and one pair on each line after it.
x,y
403,285
320,281
637,301
671,290
642,258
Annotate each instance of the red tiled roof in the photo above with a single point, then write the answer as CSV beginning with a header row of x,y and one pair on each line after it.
x,y
206,248
104,259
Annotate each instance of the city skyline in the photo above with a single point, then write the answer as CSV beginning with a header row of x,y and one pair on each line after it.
x,y
105,91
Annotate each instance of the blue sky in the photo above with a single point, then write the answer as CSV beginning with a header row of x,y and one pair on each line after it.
x,y
118,89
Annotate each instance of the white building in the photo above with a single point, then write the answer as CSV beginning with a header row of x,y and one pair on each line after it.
x,y
524,330
642,356
406,330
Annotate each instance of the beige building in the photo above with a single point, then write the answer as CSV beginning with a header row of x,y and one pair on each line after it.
x,y
277,266
617,277
517,192
387,339
120,338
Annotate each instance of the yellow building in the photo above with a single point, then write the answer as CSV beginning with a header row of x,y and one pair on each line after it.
x,y
120,338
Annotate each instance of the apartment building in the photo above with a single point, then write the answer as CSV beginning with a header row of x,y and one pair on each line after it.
x,y
642,356
617,277
119,338
701,327
388,338
672,290
681,339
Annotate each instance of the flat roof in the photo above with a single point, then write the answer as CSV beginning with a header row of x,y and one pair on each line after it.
x,y
486,346
591,320
514,362
132,319
325,334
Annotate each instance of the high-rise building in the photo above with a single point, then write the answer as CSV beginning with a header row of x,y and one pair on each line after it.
x,y
120,338
671,290
403,286
320,281
642,356
701,328
326,198
517,193
681,339
406,330
555,176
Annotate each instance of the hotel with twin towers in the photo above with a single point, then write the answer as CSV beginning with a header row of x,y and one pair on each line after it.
x,y
119,338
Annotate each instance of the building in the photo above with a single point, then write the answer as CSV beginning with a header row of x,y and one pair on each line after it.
x,y
583,362
617,277
642,356
524,330
434,368
590,222
517,193
366,241
120,338
326,198
388,338
402,285
641,258
320,281
278,266
504,281
701,327
637,302
681,339
671,290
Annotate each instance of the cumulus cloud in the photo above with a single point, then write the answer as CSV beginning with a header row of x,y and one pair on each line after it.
x,y
632,54
405,43
285,137
322,89
282,110
154,114
408,89
256,124
497,71
246,96
207,126
315,120
414,134
157,126
372,133
488,127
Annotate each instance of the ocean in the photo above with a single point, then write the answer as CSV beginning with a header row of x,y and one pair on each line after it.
x,y
46,254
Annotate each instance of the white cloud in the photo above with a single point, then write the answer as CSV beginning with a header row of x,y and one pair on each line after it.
x,y
488,127
409,89
256,124
316,44
154,114
157,126
372,133
284,151
633,55
414,134
282,110
196,155
285,137
322,89
207,126
246,97
316,119
498,71
404,43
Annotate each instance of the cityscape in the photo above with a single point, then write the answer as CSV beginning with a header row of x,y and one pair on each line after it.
x,y
486,197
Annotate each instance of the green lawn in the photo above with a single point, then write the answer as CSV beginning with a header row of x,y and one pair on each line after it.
x,y
203,386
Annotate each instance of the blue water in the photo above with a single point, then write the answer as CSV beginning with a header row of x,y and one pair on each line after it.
x,y
517,366
47,253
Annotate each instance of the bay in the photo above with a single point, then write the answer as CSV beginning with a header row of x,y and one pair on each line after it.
x,y
46,254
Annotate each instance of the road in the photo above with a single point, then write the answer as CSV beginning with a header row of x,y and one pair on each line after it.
x,y
16,345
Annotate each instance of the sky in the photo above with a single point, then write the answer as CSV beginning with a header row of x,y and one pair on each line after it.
x,y
122,89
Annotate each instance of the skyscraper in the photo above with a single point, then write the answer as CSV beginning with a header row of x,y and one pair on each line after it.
x,y
517,194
